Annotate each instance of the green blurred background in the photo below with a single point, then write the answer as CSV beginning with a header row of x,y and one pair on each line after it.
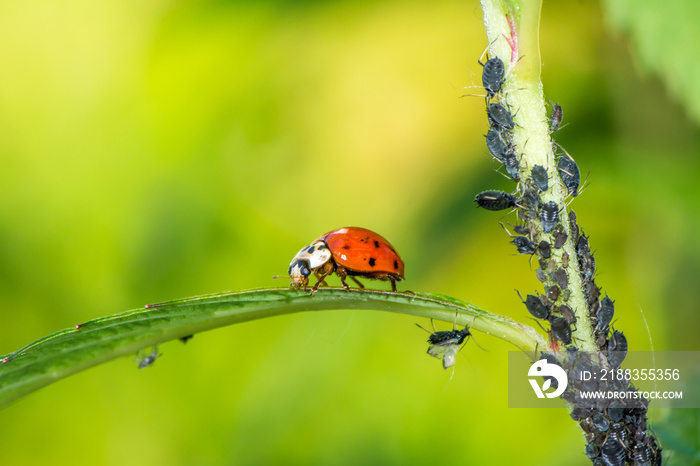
x,y
153,150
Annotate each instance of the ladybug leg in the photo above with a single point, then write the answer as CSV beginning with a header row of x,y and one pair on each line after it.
x,y
357,281
321,279
343,274
393,285
326,270
318,283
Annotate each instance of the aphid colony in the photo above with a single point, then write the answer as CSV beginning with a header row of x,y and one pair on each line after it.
x,y
615,435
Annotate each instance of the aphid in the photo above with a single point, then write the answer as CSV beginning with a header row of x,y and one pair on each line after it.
x,y
539,177
561,329
615,410
582,246
613,453
522,229
642,455
592,293
560,236
555,117
510,161
496,145
523,244
567,313
146,360
592,451
605,313
541,276
530,200
446,343
569,173
495,200
553,292
349,252
600,422
617,349
185,338
561,278
565,260
535,306
493,75
545,249
500,117
549,216
573,227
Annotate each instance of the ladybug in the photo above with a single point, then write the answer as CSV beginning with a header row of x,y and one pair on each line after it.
x,y
349,252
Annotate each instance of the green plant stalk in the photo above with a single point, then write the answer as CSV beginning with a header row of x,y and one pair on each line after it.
x,y
72,350
523,93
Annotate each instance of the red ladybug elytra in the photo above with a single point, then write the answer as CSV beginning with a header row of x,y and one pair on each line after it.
x,y
349,252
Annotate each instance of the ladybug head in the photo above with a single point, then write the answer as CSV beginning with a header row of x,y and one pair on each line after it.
x,y
299,273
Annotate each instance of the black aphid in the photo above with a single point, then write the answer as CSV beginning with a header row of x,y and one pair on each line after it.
x,y
544,249
535,306
617,349
539,177
560,236
642,455
605,313
600,422
555,117
561,278
561,329
567,313
592,292
523,244
444,344
541,276
573,227
592,451
185,339
613,453
148,359
570,175
522,229
493,76
553,292
512,165
530,200
582,246
616,411
495,200
496,144
549,216
500,117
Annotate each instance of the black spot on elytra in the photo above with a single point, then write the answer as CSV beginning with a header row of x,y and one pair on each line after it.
x,y
365,240
396,265
376,243
347,246
371,261
311,250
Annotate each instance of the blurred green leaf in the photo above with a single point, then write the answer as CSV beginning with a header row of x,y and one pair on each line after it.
x,y
71,350
667,42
